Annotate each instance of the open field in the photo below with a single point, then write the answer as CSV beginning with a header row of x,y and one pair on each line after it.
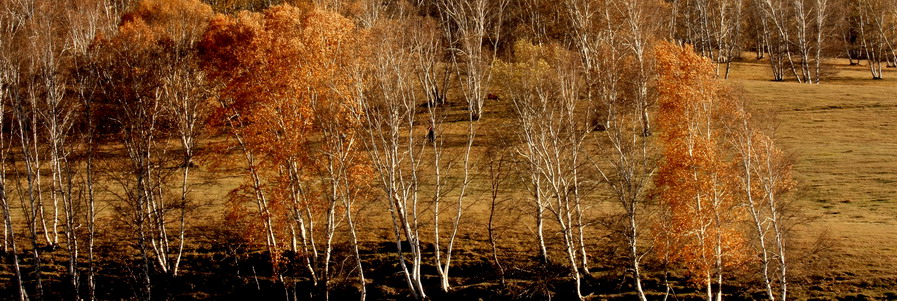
x,y
842,132
448,150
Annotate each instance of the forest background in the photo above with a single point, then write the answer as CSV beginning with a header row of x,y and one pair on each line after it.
x,y
515,149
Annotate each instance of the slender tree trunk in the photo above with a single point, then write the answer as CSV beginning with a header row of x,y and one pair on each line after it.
x,y
746,150
540,221
182,225
496,178
10,242
565,220
821,14
870,46
34,207
354,240
780,244
709,283
633,251
7,219
91,216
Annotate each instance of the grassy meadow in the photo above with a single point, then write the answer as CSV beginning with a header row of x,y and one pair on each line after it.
x,y
842,133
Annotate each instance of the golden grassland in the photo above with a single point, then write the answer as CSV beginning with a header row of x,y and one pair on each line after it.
x,y
842,132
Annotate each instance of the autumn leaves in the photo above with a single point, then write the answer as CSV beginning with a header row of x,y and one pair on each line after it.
x,y
321,114
715,156
287,80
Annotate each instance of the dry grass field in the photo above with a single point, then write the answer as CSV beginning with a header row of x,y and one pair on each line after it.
x,y
843,134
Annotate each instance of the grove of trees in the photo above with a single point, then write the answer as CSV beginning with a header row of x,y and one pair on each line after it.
x,y
370,144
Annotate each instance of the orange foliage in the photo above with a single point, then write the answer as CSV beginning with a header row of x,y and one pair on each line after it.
x,y
182,20
283,80
696,180
133,62
147,38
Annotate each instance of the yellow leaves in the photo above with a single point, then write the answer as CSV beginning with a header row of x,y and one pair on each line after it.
x,y
532,65
284,77
182,21
170,11
679,62
706,131
283,18
284,58
695,181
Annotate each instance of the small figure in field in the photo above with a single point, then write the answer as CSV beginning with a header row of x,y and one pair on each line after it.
x,y
431,136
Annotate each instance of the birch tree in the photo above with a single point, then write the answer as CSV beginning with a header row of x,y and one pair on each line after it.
x,y
729,29
185,97
693,179
392,139
873,17
795,28
779,37
138,111
637,35
426,40
476,23
623,81
9,82
809,17
765,174
132,67
86,21
544,87
276,71
54,123
24,95
712,26
230,68
52,112
184,94
586,18
345,174
822,28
